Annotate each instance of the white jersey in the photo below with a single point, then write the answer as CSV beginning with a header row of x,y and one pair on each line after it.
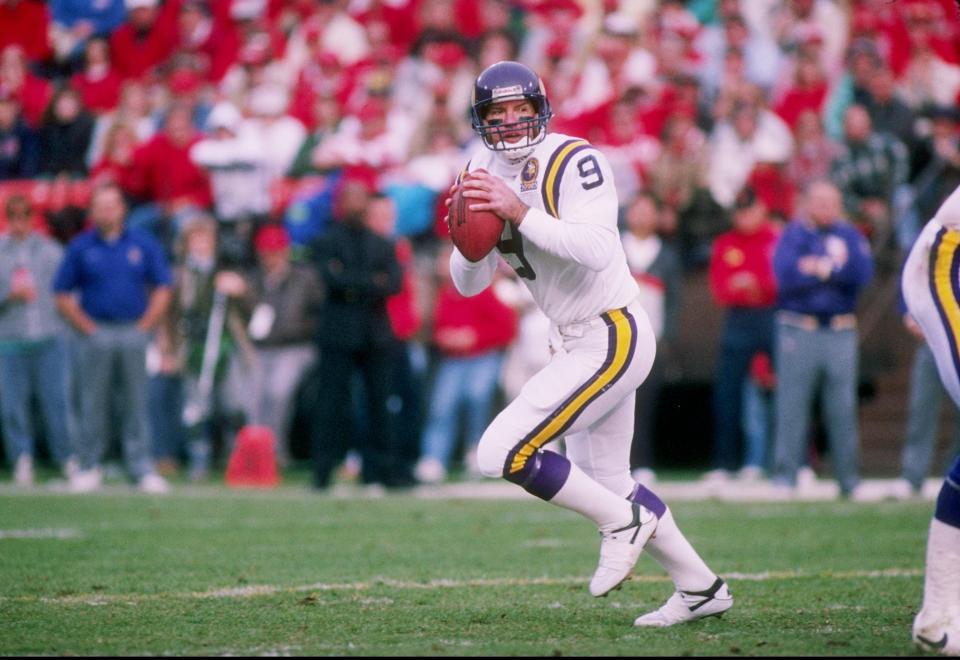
x,y
567,250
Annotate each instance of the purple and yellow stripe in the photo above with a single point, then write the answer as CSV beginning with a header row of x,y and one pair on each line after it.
x,y
466,168
550,188
621,345
945,287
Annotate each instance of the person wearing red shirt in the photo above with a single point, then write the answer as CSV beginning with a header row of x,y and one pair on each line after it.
x,y
166,173
321,77
98,83
207,37
470,336
742,282
116,163
33,92
394,22
146,39
164,177
769,179
808,91
886,25
24,23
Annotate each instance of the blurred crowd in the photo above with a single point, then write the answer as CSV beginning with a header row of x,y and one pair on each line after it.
x,y
290,159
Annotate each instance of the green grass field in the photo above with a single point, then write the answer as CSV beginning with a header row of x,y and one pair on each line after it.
x,y
289,572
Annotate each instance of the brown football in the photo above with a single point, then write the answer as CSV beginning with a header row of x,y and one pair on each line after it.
x,y
474,233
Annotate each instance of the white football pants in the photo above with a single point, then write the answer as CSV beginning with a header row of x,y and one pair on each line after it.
x,y
584,394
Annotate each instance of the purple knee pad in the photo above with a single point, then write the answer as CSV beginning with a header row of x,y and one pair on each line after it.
x,y
543,475
646,498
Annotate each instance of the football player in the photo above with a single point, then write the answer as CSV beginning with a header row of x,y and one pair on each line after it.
x,y
931,289
557,197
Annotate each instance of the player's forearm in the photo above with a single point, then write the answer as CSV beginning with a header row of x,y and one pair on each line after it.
x,y
587,243
471,277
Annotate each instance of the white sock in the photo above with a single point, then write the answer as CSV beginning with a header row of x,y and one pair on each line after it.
x,y
941,582
582,494
671,549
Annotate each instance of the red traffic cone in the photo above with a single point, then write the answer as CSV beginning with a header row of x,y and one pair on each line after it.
x,y
253,462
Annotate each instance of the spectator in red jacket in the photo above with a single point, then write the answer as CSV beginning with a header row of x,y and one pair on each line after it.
x,y
146,39
33,92
808,90
116,164
742,282
769,179
99,82
166,173
168,183
470,336
24,23
394,22
206,37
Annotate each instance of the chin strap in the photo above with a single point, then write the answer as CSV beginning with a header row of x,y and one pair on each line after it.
x,y
520,152
518,156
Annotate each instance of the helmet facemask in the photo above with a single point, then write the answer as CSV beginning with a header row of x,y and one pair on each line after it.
x,y
494,134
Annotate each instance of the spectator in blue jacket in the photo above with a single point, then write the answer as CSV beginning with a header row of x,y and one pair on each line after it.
x,y
19,144
113,287
822,263
73,22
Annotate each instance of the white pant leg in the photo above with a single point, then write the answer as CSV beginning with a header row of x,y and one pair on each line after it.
x,y
603,450
283,368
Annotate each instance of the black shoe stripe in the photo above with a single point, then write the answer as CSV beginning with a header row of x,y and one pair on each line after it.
x,y
939,645
707,594
634,523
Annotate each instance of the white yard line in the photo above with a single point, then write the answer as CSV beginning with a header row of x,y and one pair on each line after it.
x,y
252,591
40,533
824,489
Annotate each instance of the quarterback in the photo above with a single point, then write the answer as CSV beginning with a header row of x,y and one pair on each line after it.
x,y
556,195
931,289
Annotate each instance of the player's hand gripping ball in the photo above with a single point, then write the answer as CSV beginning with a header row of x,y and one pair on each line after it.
x,y
474,233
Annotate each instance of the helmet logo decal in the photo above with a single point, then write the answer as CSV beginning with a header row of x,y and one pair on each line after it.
x,y
528,175
511,90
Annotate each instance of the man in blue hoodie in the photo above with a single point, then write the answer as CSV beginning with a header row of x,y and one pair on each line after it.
x,y
822,263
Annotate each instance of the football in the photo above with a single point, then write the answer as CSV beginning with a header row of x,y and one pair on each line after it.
x,y
474,233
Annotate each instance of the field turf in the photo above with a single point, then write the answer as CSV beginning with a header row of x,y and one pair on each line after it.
x,y
212,571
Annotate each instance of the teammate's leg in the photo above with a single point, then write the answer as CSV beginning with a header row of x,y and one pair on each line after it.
x,y
929,289
937,625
